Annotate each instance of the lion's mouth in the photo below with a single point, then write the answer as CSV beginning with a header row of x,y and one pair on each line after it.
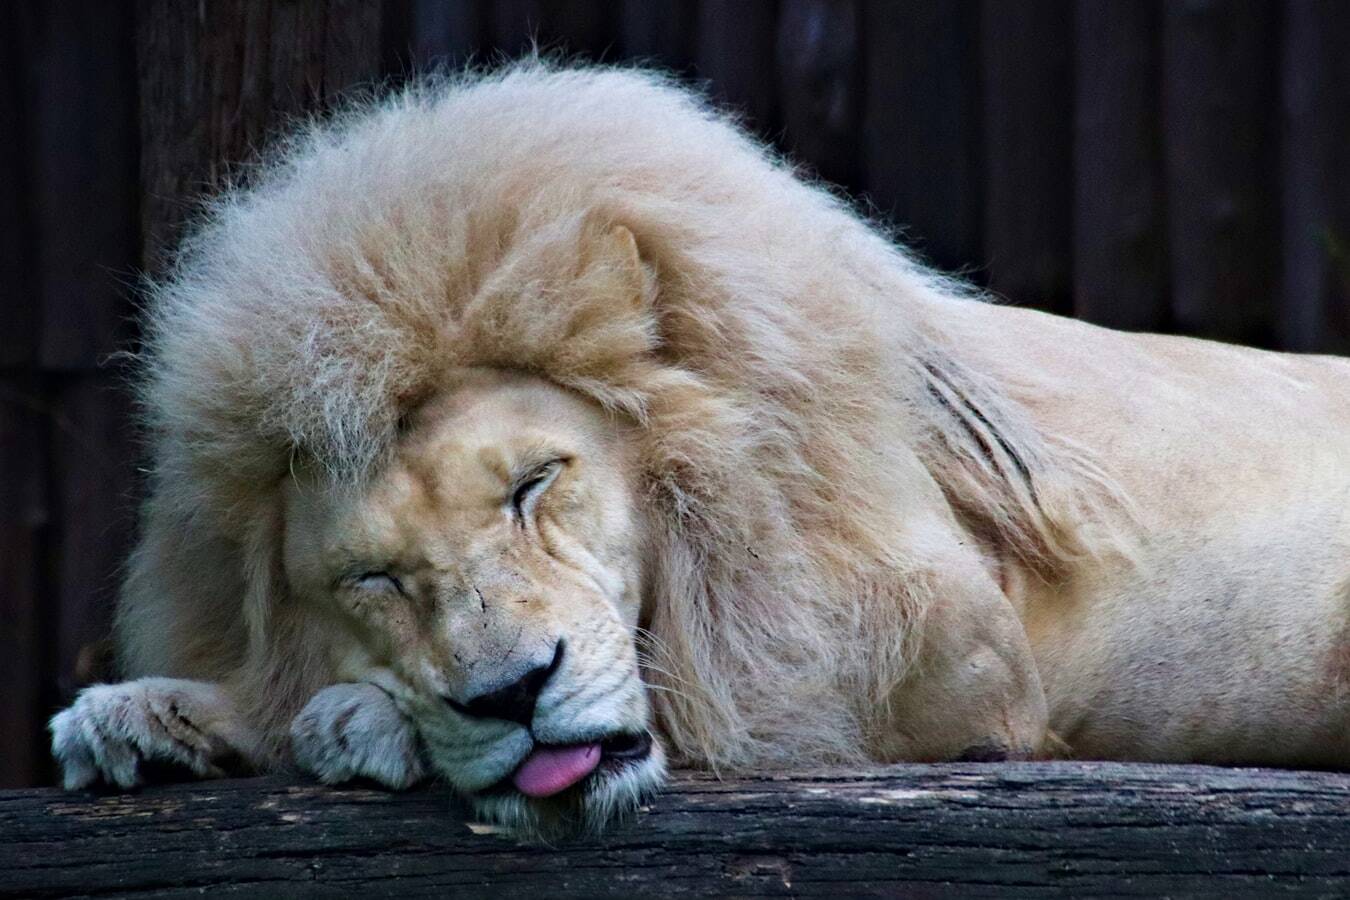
x,y
551,769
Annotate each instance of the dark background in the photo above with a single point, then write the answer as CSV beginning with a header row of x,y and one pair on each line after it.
x,y
1174,165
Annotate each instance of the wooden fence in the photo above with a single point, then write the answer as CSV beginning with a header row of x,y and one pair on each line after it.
x,y
1150,164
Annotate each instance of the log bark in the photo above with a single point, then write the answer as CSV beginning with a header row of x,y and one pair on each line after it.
x,y
1003,830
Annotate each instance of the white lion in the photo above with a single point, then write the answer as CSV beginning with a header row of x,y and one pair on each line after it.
x,y
528,429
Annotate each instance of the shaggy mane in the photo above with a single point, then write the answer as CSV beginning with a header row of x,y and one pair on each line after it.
x,y
779,346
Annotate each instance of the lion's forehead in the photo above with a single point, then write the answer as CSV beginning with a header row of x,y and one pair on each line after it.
x,y
440,509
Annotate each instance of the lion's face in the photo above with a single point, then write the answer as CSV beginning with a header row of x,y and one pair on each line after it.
x,y
489,578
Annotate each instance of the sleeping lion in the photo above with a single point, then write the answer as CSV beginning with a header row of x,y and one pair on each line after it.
x,y
536,430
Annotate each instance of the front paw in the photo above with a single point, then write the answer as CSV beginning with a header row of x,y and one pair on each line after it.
x,y
349,731
112,731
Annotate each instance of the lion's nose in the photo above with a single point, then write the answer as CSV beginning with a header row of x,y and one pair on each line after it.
x,y
515,702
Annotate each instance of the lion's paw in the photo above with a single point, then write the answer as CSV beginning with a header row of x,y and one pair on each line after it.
x,y
349,731
112,730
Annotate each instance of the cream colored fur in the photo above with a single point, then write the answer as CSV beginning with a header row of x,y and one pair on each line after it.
x,y
882,519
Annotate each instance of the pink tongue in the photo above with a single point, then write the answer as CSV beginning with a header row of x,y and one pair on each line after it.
x,y
551,769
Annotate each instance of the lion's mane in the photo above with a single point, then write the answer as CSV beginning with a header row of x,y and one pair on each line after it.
x,y
782,363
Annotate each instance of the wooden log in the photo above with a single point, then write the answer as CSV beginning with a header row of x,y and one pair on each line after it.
x,y
1036,829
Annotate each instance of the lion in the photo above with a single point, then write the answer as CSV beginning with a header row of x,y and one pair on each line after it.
x,y
535,430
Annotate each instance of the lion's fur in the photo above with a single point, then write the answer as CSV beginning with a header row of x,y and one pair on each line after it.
x,y
793,391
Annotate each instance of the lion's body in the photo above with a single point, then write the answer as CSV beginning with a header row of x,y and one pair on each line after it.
x,y
1228,638
885,520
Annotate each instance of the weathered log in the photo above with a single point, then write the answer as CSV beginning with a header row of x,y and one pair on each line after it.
x,y
1029,829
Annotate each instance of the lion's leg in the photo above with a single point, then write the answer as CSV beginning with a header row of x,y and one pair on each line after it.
x,y
349,731
975,692
112,731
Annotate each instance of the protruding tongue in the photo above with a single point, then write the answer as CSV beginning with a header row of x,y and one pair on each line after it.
x,y
549,770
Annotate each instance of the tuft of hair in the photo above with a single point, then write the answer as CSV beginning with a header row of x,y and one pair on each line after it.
x,y
775,354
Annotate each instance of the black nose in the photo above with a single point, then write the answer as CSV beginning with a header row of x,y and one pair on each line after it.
x,y
514,702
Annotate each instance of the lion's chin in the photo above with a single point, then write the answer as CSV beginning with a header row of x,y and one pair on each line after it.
x,y
604,799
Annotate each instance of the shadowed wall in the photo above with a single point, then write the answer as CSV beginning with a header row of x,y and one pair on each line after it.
x,y
1175,165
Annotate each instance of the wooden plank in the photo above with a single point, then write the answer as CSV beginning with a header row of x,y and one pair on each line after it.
x,y
218,79
1072,829
1315,198
1120,276
93,463
1027,98
24,519
921,124
735,52
1219,92
81,145
819,66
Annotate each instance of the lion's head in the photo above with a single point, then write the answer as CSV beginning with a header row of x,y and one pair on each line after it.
x,y
489,576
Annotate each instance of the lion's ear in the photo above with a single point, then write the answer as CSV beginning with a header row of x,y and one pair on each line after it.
x,y
613,268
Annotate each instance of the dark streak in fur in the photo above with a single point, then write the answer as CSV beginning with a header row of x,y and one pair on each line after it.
x,y
936,375
340,727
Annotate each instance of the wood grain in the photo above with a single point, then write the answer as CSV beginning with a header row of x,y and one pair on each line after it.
x,y
1069,829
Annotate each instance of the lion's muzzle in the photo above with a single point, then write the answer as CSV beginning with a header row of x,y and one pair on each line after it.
x,y
516,701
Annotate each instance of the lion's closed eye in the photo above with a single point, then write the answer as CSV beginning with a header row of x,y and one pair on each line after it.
x,y
527,491
376,580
